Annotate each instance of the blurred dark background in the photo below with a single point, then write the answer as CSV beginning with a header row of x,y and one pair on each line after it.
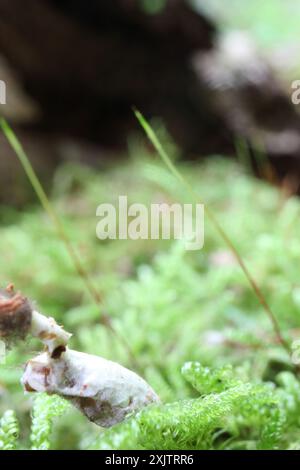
x,y
74,69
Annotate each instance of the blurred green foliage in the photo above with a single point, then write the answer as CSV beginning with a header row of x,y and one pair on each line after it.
x,y
152,7
200,336
271,23
172,306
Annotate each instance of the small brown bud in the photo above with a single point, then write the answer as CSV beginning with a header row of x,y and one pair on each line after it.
x,y
15,314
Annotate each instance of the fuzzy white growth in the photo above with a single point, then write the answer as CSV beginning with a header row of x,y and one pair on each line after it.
x,y
103,390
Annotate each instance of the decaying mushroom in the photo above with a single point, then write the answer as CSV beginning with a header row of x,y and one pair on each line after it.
x,y
103,390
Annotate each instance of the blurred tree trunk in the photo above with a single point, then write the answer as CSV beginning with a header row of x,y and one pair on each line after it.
x,y
84,64
87,63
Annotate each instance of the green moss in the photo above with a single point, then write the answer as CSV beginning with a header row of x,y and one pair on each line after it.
x,y
172,306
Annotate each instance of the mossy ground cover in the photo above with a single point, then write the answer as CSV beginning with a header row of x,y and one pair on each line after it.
x,y
173,306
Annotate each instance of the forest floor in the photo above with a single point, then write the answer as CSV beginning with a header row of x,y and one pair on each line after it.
x,y
173,306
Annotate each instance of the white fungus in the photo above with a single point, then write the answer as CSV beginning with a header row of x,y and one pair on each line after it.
x,y
103,390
